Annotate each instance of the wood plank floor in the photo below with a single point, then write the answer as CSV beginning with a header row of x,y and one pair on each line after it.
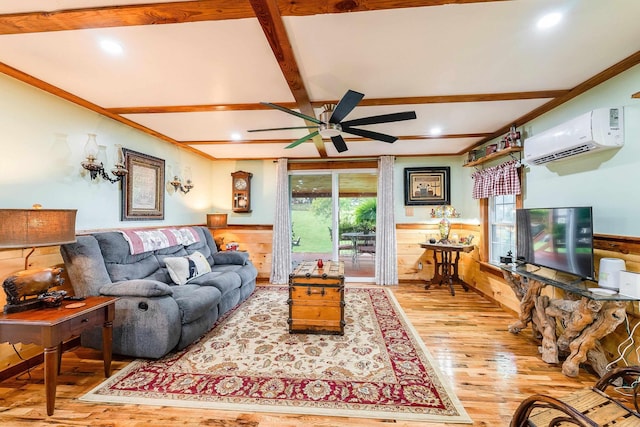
x,y
490,370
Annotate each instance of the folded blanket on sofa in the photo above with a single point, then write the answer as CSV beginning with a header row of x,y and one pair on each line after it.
x,y
150,240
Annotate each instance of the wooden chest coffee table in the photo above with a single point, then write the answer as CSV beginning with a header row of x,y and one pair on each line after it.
x,y
316,298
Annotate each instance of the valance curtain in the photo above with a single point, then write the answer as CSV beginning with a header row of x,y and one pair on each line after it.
x,y
281,259
497,181
386,253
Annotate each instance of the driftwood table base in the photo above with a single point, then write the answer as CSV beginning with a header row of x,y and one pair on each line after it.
x,y
585,322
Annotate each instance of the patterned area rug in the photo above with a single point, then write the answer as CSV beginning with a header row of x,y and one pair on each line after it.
x,y
249,362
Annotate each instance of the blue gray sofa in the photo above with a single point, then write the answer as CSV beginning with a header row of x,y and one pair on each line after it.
x,y
154,315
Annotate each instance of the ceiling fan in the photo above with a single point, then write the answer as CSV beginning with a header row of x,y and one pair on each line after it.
x,y
331,125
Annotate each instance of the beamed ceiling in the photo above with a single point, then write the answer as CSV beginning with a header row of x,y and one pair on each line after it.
x,y
194,73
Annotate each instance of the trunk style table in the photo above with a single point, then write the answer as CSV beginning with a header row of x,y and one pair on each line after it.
x,y
446,268
49,327
316,298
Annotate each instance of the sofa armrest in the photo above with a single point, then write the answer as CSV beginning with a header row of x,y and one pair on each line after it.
x,y
137,288
231,257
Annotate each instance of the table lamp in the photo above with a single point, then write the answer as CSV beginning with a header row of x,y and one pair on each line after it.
x,y
32,228
215,221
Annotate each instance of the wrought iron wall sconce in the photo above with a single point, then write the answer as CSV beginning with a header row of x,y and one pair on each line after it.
x,y
177,184
96,168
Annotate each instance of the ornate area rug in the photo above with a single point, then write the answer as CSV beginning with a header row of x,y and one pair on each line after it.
x,y
249,362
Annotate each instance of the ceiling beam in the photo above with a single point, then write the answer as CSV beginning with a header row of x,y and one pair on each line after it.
x,y
417,100
189,11
272,25
288,141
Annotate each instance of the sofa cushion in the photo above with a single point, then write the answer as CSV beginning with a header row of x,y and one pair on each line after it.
x,y
137,288
224,281
195,301
186,268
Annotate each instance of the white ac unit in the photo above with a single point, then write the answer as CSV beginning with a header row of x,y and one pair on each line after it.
x,y
596,130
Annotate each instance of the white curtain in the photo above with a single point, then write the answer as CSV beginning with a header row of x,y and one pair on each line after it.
x,y
386,254
281,256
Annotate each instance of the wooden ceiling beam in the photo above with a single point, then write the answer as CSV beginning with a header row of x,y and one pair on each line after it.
x,y
189,11
288,141
272,25
417,100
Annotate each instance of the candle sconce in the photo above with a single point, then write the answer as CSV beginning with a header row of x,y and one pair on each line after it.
x,y
96,168
177,184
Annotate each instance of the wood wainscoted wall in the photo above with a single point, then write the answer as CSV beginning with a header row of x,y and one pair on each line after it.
x,y
411,255
257,241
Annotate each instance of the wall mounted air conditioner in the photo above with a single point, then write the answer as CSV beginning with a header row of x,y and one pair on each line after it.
x,y
594,131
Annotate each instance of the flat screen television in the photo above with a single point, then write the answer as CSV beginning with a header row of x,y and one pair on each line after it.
x,y
557,238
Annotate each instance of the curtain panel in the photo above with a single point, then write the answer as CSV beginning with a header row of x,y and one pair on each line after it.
x,y
386,251
281,251
497,181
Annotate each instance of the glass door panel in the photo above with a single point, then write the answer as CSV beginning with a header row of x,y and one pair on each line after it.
x,y
311,213
357,222
333,216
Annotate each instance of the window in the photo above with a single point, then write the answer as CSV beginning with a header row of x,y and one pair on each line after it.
x,y
502,226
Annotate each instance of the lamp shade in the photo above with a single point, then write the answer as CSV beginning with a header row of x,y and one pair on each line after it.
x,y
29,228
216,220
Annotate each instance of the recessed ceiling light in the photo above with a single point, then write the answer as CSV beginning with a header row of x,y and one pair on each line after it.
x,y
435,131
111,47
549,20
236,136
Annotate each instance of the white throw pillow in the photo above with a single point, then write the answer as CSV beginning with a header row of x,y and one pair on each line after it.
x,y
185,268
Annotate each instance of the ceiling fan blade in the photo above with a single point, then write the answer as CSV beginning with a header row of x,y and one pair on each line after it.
x,y
384,118
346,104
339,143
295,113
303,139
369,134
295,127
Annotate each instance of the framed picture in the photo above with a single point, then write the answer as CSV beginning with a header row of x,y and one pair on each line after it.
x,y
142,188
427,186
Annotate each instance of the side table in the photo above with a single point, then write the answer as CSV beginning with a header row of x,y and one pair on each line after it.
x,y
446,268
49,327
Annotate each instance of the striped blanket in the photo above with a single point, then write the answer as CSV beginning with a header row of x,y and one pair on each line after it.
x,y
149,240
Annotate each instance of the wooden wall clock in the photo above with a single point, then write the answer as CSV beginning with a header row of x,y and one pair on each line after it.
x,y
241,190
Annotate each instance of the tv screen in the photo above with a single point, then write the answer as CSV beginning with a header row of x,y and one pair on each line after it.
x,y
557,238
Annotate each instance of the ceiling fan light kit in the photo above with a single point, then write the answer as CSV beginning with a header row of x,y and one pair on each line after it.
x,y
331,124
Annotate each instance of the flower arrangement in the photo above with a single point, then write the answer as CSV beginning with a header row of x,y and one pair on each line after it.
x,y
445,211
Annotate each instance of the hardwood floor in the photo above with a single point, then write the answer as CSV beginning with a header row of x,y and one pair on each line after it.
x,y
489,369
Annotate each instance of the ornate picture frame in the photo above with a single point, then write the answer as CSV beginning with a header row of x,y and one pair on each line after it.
x,y
427,186
142,195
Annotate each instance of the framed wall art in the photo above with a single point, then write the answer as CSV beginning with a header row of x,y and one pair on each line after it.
x,y
427,186
142,188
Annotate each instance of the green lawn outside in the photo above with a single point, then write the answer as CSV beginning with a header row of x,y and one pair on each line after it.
x,y
312,230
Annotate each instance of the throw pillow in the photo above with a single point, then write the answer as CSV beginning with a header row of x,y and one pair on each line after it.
x,y
186,268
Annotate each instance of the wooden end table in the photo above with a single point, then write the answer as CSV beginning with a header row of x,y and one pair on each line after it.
x,y
446,269
49,327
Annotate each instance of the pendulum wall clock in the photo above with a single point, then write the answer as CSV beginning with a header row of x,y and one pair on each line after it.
x,y
241,190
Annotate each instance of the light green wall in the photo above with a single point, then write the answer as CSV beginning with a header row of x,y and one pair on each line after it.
x,y
263,190
40,166
606,180
42,139
461,190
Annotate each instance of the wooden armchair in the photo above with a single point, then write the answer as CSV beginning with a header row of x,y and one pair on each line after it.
x,y
589,407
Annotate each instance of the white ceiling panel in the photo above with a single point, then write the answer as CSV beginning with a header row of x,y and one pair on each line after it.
x,y
203,81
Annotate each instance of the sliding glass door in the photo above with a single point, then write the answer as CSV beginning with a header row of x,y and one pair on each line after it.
x,y
333,217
